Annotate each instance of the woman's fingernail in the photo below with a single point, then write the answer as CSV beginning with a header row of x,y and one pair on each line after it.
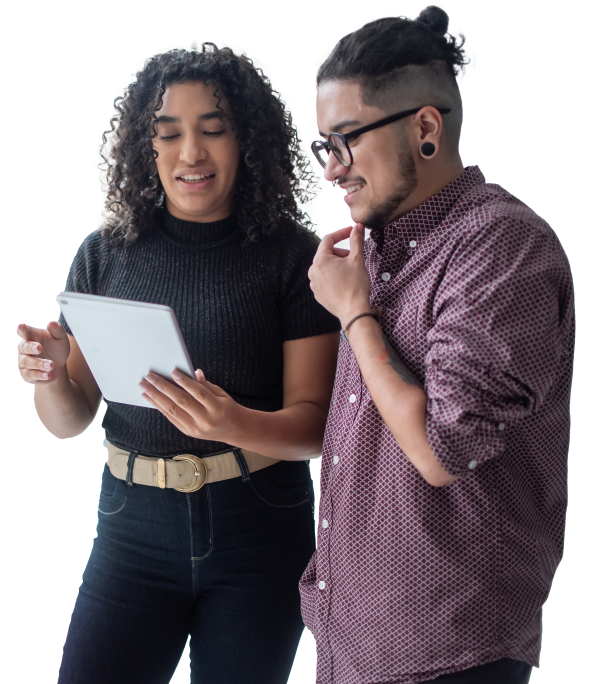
x,y
151,378
177,374
35,347
48,365
45,376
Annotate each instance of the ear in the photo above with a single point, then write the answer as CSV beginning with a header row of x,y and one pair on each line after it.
x,y
429,125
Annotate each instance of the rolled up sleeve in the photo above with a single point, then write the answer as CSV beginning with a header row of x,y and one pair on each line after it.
x,y
494,349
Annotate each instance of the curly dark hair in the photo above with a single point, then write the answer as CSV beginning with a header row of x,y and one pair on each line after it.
x,y
273,176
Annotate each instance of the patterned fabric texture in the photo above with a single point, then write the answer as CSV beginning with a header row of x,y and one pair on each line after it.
x,y
411,581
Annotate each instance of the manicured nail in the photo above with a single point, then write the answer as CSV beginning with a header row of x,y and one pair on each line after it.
x,y
36,347
177,374
48,365
45,376
151,378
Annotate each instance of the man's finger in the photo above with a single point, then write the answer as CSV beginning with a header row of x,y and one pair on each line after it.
x,y
330,240
338,235
357,240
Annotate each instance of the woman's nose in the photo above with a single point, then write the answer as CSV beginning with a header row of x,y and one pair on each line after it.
x,y
193,151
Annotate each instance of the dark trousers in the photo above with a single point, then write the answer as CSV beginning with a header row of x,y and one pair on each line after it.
x,y
505,671
221,564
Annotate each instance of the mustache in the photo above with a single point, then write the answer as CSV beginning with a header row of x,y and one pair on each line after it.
x,y
349,179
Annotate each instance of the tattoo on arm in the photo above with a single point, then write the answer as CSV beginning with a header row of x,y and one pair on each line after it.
x,y
392,359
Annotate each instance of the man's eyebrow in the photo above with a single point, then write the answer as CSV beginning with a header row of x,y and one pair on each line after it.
x,y
342,124
163,118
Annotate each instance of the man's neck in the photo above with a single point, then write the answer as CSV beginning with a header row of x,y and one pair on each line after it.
x,y
431,181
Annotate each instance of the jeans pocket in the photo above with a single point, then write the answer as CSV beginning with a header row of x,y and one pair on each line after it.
x,y
113,494
286,484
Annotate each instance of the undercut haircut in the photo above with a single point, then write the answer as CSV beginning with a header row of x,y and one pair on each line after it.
x,y
402,64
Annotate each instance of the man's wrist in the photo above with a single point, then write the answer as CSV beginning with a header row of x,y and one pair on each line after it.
x,y
353,317
352,312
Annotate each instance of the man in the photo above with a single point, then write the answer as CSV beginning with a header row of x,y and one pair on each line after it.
x,y
443,492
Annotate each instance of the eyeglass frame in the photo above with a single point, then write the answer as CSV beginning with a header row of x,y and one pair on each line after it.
x,y
347,137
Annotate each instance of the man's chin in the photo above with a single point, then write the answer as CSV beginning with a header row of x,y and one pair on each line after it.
x,y
370,219
356,216
372,223
361,215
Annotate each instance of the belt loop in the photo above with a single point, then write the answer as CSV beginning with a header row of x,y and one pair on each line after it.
x,y
130,462
241,461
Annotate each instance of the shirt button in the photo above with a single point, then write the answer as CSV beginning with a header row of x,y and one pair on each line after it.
x,y
336,460
321,585
352,398
501,426
472,465
325,524
385,276
413,243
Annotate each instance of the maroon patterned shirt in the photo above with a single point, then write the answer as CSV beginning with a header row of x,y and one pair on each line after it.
x,y
411,581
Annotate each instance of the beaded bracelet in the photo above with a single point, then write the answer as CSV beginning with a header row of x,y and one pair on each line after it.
x,y
375,314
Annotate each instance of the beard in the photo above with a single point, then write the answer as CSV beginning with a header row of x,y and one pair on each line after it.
x,y
379,216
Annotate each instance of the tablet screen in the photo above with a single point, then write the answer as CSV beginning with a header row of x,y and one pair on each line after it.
x,y
122,341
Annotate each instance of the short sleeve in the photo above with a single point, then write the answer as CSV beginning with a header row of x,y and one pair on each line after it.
x,y
498,340
301,314
88,264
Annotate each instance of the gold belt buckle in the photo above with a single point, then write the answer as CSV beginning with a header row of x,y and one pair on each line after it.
x,y
196,462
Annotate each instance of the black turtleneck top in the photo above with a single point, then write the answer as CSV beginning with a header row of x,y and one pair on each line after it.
x,y
235,303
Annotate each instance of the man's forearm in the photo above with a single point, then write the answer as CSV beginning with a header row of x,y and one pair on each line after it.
x,y
399,397
294,433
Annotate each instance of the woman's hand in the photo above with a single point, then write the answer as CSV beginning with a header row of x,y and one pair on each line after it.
x,y
43,353
198,408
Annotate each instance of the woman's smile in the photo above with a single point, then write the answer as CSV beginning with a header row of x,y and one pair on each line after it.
x,y
187,185
198,153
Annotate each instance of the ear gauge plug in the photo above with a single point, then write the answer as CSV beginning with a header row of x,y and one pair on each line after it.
x,y
427,149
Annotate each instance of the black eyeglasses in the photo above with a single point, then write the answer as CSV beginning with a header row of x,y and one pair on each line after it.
x,y
338,142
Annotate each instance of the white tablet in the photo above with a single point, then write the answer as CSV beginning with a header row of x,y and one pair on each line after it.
x,y
122,341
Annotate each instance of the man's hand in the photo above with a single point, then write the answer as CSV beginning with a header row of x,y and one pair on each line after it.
x,y
339,277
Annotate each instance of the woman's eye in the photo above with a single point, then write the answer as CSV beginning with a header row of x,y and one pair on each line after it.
x,y
210,133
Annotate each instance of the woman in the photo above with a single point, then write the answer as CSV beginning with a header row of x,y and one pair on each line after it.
x,y
204,173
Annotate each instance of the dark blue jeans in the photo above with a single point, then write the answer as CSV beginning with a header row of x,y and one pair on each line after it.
x,y
221,564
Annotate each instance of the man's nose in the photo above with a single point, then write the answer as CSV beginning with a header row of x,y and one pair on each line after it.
x,y
334,168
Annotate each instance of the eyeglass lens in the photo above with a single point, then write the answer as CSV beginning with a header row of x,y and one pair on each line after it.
x,y
336,145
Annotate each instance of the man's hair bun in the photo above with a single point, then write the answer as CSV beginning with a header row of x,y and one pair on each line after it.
x,y
435,18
